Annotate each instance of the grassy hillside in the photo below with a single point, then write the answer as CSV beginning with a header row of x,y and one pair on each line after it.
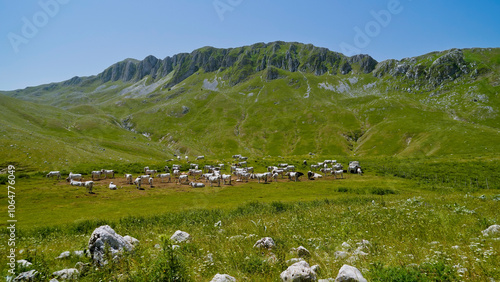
x,y
278,99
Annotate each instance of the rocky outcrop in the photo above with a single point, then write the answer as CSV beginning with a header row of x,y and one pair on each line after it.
x,y
105,239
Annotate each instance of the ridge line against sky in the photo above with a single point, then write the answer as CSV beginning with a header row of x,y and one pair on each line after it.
x,y
53,40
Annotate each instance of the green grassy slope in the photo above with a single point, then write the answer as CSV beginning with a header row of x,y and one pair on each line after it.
x,y
435,104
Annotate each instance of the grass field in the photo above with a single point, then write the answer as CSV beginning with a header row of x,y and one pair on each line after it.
x,y
418,230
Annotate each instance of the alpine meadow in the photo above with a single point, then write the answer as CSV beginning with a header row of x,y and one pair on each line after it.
x,y
284,121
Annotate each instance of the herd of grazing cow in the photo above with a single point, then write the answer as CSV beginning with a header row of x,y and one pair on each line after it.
x,y
212,174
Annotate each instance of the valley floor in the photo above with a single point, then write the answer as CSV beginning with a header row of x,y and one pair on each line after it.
x,y
417,232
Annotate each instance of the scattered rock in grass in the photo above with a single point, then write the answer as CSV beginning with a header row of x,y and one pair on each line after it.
x,y
82,267
349,273
131,240
218,224
53,280
303,252
359,252
31,275
67,274
294,260
64,255
104,237
158,246
79,253
266,242
24,263
299,271
341,255
326,280
175,247
346,246
492,230
316,268
223,278
364,245
180,236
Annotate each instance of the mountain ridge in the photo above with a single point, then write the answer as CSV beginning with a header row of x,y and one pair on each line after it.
x,y
277,98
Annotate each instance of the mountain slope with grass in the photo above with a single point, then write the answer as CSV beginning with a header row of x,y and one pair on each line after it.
x,y
277,99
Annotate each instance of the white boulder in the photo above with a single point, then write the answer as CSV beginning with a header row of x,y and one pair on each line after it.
x,y
63,255
104,236
298,272
27,276
24,263
67,274
180,236
266,242
349,273
492,230
223,278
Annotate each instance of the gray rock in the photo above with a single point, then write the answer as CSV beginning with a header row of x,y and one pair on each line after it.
x,y
294,260
24,263
349,273
326,280
266,242
64,255
298,272
180,236
303,252
79,253
82,267
223,278
316,268
102,237
131,240
341,255
27,276
492,230
67,274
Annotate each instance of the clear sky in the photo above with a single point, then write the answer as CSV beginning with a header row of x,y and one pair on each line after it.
x,y
53,40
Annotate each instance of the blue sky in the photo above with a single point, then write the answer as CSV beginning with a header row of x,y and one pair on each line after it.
x,y
53,40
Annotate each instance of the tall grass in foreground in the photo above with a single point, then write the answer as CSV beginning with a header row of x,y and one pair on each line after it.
x,y
434,236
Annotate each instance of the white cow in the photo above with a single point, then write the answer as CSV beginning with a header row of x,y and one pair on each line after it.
x,y
275,177
97,174
313,175
338,166
89,185
164,175
282,165
107,172
314,167
290,168
112,186
226,178
260,176
279,172
74,176
167,169
183,178
146,168
151,171
338,172
128,177
197,184
200,157
176,173
76,183
214,179
327,170
359,171
150,181
292,175
138,182
195,172
54,173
